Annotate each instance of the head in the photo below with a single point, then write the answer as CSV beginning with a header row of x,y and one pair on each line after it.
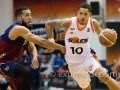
x,y
83,13
23,16
59,55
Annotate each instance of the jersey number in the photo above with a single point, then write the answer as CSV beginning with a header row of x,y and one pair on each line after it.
x,y
78,50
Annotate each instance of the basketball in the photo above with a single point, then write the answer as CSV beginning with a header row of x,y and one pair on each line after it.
x,y
107,37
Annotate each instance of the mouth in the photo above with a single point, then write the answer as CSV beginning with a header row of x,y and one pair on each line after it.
x,y
30,23
82,20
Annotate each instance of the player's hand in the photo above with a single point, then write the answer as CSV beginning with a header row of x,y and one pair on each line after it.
x,y
34,64
114,32
63,49
116,67
48,50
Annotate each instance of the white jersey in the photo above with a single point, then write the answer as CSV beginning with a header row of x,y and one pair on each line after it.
x,y
77,41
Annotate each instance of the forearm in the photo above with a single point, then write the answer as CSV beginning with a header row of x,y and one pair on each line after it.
x,y
51,45
33,52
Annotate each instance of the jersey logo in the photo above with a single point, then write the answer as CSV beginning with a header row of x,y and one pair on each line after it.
x,y
71,32
7,68
25,42
77,40
88,29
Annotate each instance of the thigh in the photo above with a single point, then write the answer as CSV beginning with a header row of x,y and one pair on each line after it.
x,y
80,75
91,64
8,69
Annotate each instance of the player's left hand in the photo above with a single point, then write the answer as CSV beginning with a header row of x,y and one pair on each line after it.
x,y
114,32
34,64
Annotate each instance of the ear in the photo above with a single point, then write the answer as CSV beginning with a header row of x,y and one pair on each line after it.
x,y
90,14
77,12
19,19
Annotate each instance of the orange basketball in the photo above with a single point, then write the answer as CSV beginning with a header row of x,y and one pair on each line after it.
x,y
107,37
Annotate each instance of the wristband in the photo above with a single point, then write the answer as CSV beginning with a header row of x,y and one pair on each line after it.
x,y
51,40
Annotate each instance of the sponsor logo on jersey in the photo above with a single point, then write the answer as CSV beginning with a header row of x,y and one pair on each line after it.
x,y
77,40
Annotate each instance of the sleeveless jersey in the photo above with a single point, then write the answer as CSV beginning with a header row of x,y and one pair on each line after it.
x,y
77,41
11,50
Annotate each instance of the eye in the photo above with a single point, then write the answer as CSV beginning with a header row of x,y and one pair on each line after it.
x,y
80,13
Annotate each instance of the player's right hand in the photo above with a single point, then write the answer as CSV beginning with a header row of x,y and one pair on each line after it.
x,y
63,49
48,50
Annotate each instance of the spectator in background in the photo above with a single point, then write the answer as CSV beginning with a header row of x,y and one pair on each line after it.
x,y
3,83
35,73
58,62
46,62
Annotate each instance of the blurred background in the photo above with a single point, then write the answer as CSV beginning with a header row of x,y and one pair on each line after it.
x,y
53,73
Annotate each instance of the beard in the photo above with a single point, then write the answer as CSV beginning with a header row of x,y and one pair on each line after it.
x,y
24,24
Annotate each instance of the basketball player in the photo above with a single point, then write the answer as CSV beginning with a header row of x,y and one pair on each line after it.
x,y
80,58
13,42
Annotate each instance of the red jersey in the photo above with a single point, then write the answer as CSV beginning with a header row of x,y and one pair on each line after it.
x,y
11,50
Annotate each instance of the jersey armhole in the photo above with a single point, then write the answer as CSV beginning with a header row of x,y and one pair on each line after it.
x,y
68,26
91,23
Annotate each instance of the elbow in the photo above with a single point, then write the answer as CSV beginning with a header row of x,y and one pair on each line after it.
x,y
46,24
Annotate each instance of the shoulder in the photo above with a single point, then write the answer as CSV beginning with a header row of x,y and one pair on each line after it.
x,y
95,23
20,29
94,20
17,31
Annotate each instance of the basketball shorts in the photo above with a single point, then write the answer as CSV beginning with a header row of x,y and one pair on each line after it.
x,y
80,71
8,69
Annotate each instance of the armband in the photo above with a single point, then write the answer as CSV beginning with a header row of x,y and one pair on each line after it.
x,y
51,40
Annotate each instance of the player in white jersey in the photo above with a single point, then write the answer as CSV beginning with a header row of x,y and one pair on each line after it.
x,y
79,56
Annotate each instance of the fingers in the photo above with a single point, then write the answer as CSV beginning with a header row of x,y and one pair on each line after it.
x,y
48,50
113,29
63,50
114,32
34,64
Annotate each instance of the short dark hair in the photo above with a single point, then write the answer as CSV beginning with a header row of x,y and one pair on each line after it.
x,y
85,5
19,10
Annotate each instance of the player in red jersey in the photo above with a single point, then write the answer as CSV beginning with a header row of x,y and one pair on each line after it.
x,y
13,42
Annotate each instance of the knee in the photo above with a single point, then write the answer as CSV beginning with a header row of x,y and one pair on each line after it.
x,y
26,71
86,87
103,76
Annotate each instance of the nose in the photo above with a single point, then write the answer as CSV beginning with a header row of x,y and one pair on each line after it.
x,y
30,18
82,16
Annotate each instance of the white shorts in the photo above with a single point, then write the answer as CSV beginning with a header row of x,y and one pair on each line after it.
x,y
80,71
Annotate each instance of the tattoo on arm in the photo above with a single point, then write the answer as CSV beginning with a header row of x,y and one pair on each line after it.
x,y
66,24
54,23
58,24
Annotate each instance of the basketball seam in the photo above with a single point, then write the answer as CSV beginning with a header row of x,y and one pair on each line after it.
x,y
107,39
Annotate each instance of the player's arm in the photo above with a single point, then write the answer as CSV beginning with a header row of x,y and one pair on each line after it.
x,y
32,49
97,27
54,24
21,31
33,52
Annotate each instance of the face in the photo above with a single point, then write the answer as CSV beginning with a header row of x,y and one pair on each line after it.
x,y
58,55
26,19
83,15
